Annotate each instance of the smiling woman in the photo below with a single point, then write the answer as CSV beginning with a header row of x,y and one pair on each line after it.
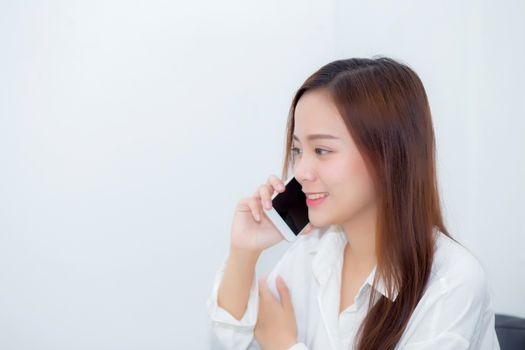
x,y
379,270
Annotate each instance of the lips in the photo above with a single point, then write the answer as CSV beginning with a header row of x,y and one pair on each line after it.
x,y
315,202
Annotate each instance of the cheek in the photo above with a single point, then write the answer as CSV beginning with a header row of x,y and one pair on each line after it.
x,y
348,171
352,184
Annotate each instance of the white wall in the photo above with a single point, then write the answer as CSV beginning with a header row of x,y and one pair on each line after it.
x,y
129,130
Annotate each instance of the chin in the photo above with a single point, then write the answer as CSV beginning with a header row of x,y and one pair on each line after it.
x,y
319,220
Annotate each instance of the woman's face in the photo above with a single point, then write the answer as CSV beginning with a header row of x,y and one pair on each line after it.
x,y
332,165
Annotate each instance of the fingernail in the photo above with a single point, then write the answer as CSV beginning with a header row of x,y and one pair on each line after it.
x,y
268,204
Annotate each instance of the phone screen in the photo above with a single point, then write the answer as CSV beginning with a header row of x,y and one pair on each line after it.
x,y
291,206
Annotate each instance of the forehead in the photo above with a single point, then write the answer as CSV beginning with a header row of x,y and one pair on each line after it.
x,y
316,112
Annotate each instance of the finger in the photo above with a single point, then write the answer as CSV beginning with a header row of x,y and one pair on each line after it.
x,y
266,197
257,193
275,183
255,208
284,293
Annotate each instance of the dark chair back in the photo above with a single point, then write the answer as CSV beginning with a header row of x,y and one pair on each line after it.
x,y
510,331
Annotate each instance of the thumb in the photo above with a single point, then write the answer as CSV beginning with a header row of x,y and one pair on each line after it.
x,y
284,293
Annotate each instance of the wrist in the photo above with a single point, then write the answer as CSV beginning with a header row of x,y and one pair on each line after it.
x,y
244,260
244,254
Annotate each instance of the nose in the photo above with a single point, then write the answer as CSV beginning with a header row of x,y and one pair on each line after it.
x,y
303,169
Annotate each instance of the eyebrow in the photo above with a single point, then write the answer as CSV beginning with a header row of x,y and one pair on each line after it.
x,y
318,136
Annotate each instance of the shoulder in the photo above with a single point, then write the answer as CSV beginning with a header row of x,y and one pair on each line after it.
x,y
457,271
456,305
453,260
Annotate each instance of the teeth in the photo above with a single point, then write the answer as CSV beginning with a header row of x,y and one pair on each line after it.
x,y
316,196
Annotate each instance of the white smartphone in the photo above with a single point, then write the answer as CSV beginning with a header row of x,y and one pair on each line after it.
x,y
289,212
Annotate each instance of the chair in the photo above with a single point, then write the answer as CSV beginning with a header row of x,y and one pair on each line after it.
x,y
510,331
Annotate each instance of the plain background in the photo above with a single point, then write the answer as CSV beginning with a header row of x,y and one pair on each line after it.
x,y
129,130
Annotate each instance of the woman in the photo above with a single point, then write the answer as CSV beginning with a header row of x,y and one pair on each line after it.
x,y
377,268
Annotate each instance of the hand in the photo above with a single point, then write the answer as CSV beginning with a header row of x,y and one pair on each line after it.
x,y
276,328
252,231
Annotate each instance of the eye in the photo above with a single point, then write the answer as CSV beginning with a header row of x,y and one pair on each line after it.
x,y
324,150
295,149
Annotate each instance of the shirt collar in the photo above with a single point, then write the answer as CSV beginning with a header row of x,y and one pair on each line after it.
x,y
329,250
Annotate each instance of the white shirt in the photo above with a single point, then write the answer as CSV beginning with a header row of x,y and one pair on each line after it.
x,y
455,311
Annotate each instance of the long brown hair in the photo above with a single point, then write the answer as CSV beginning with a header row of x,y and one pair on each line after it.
x,y
385,108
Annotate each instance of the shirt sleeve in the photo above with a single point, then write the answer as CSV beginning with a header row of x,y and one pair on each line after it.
x,y
456,314
298,346
232,333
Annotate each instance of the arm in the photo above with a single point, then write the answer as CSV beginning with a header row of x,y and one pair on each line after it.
x,y
234,318
234,290
234,300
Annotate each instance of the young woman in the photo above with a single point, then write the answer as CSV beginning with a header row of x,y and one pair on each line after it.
x,y
377,268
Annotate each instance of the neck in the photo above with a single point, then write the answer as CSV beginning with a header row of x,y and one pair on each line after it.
x,y
361,236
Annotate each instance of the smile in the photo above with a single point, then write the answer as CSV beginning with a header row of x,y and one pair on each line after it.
x,y
316,200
